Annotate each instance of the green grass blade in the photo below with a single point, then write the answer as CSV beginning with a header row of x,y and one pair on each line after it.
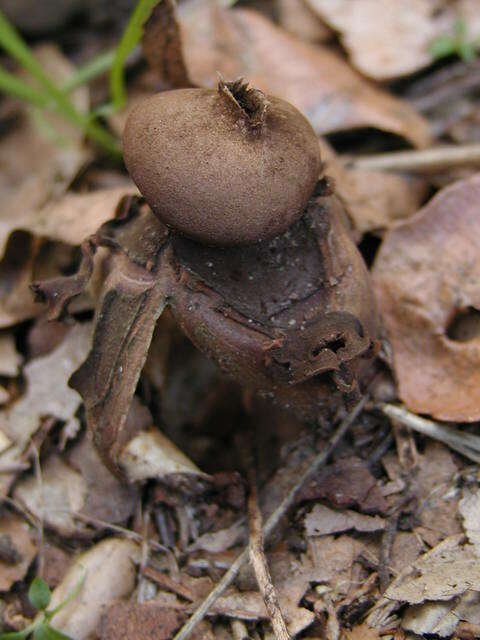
x,y
11,41
100,64
14,86
130,38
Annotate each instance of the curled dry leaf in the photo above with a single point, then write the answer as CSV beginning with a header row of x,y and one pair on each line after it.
x,y
390,39
242,42
15,532
427,280
109,573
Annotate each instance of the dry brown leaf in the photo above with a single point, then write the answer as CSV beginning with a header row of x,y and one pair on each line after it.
x,y
19,536
10,359
127,620
433,483
85,487
109,573
242,42
34,167
427,280
296,17
390,39
324,521
70,218
346,483
373,200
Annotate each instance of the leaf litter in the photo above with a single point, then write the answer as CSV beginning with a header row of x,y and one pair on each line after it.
x,y
384,538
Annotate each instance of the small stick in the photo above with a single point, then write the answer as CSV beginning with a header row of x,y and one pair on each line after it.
x,y
271,523
467,444
423,161
259,562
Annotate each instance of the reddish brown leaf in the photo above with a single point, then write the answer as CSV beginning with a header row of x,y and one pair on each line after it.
x,y
427,279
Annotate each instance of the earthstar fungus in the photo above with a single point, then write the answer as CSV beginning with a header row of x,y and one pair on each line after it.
x,y
255,264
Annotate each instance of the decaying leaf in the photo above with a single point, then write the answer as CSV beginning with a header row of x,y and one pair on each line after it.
x,y
323,521
390,39
15,533
242,42
427,280
109,573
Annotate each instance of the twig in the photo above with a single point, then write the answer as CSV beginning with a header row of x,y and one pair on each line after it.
x,y
467,444
259,562
271,523
423,161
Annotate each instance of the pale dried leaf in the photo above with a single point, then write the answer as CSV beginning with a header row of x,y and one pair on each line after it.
x,y
439,575
54,498
110,574
438,618
10,359
323,521
390,39
151,455
47,392
219,541
427,280
469,507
